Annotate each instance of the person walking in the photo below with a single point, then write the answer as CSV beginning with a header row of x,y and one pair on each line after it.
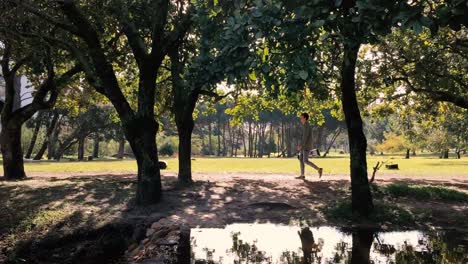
x,y
306,146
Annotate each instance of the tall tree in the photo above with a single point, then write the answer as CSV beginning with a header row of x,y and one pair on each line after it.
x,y
116,38
45,68
291,34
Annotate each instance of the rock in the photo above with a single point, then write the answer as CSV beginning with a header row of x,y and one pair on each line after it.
x,y
162,165
150,231
155,225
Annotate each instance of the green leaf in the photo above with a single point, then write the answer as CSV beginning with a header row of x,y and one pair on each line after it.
x,y
266,51
215,2
252,76
319,23
303,74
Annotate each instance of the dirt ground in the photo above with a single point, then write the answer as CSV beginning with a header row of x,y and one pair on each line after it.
x,y
90,201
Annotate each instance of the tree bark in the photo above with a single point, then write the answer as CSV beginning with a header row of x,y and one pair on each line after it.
x,y
121,151
10,141
210,142
52,147
143,143
81,146
407,156
185,124
224,140
334,137
250,139
34,138
50,129
218,125
96,146
361,196
445,154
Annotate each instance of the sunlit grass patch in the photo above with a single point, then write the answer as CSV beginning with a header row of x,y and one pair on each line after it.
x,y
333,165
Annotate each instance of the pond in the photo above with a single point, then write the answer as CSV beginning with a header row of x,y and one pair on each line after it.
x,y
271,243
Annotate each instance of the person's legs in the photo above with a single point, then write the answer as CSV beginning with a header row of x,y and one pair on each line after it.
x,y
305,160
301,161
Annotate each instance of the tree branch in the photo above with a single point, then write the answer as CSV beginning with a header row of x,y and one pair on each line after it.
x,y
34,10
179,31
158,29
214,95
108,83
48,87
134,40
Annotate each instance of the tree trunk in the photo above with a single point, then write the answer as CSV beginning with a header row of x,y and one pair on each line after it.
x,y
210,142
334,137
81,146
50,130
414,152
243,142
255,142
445,154
96,146
224,140
250,139
362,242
458,153
121,152
60,151
219,138
52,144
361,195
319,136
185,124
34,138
407,154
289,140
10,141
141,134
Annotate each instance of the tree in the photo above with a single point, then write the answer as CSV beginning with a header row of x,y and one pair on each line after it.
x,y
94,33
432,65
294,31
17,55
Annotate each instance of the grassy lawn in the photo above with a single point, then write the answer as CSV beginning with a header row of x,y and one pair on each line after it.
x,y
428,166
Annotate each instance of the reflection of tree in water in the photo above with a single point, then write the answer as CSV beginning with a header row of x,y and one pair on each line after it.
x,y
438,248
435,248
247,253
356,253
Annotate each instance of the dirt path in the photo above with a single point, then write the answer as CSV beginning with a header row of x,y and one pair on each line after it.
x,y
220,199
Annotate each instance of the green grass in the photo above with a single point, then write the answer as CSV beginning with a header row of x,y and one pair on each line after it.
x,y
426,192
384,212
337,165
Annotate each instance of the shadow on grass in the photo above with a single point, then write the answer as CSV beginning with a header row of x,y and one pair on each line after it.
x,y
215,204
63,220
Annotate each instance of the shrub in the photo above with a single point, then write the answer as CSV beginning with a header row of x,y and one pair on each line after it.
x,y
167,149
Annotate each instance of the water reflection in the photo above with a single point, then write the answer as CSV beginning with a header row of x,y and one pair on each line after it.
x,y
267,243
